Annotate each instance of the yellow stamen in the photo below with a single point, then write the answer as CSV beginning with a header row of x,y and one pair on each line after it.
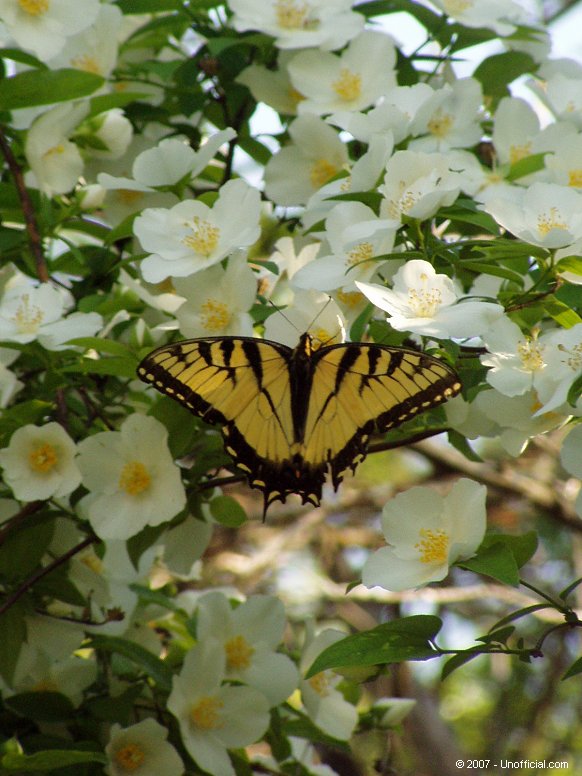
x,y
320,683
455,7
43,458
134,478
27,318
238,653
205,715
54,151
87,63
130,757
291,15
350,298
440,124
204,237
424,302
549,221
574,356
517,152
321,172
215,315
575,178
360,255
348,86
34,7
433,546
129,196
530,352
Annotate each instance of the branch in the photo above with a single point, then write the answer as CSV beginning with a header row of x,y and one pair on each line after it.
x,y
42,572
32,229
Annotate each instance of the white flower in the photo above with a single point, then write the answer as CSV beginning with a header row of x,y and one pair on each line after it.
x,y
273,87
326,24
184,544
498,15
10,385
29,313
417,185
290,255
218,300
42,26
548,363
545,214
394,114
142,749
393,710
55,162
449,118
107,135
132,479
39,672
325,705
169,162
94,49
40,462
565,164
428,303
214,717
310,311
355,235
352,80
562,94
315,155
249,636
192,236
426,533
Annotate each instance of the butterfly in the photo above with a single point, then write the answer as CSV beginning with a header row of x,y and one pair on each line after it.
x,y
288,415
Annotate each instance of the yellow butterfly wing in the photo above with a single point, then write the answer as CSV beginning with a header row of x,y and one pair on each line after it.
x,y
359,389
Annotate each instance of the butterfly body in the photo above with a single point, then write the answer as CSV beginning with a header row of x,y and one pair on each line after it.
x,y
288,415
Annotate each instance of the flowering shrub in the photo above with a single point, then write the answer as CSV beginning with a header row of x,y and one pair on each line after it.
x,y
264,168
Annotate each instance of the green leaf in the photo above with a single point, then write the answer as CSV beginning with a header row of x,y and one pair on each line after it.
x,y
117,367
526,166
574,670
570,264
44,87
517,615
496,73
459,660
155,668
17,55
227,511
148,6
21,553
407,638
255,149
489,268
13,630
102,345
41,706
561,312
574,393
104,102
49,759
498,635
497,562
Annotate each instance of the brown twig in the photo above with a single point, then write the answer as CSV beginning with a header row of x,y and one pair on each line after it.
x,y
43,571
33,232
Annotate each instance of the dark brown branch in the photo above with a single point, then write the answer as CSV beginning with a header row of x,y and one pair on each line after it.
x,y
30,221
43,571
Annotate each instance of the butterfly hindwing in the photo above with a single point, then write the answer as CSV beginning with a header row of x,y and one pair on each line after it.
x,y
288,415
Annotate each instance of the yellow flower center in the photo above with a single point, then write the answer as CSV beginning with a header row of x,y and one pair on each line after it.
x,y
361,254
454,7
575,178
517,152
204,237
43,458
134,478
433,546
395,208
46,685
424,302
27,318
530,352
321,172
238,653
320,338
350,298
215,315
295,95
440,124
291,15
549,221
320,684
129,196
34,7
348,86
130,757
91,561
574,356
205,715
54,151
87,63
